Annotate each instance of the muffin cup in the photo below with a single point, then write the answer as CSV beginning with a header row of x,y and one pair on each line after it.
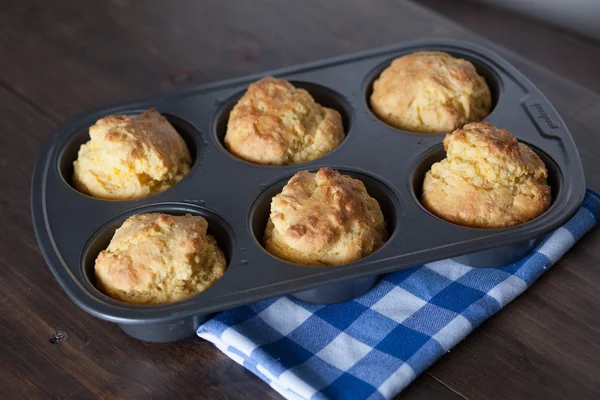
x,y
497,256
234,194
166,332
337,292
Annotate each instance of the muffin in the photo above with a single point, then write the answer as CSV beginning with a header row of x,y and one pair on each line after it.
x,y
324,219
275,123
130,157
487,180
430,92
158,259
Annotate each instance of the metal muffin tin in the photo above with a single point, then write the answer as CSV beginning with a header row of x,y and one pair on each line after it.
x,y
235,195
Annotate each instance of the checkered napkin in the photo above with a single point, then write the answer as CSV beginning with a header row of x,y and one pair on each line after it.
x,y
374,346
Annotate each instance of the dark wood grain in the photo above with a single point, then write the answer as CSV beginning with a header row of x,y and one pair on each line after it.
x,y
59,60
564,52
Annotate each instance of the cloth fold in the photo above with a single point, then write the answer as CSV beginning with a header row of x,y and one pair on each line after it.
x,y
373,346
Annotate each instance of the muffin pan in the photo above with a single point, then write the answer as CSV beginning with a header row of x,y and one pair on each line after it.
x,y
234,195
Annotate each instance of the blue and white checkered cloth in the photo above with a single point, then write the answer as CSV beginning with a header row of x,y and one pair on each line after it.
x,y
374,346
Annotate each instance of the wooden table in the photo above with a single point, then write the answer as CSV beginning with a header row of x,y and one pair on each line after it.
x,y
61,58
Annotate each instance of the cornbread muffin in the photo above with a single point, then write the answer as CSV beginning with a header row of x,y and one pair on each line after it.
x,y
487,180
158,258
324,219
130,157
276,124
430,92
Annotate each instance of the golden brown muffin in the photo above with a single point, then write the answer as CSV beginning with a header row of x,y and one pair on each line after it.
x,y
130,157
158,259
324,219
430,92
487,180
276,124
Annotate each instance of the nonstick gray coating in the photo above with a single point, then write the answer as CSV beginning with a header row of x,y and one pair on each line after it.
x,y
234,195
